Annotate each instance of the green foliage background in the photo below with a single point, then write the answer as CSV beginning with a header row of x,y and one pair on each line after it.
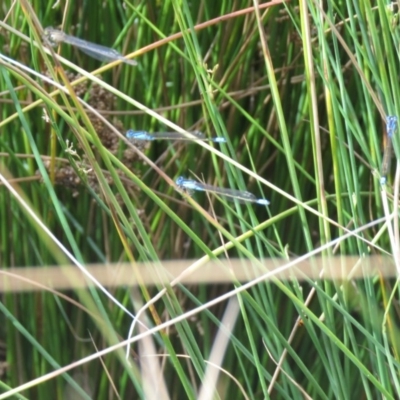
x,y
301,95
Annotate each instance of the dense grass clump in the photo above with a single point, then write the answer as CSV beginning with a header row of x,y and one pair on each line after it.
x,y
218,298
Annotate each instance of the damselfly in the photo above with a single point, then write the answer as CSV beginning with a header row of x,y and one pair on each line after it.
x,y
97,51
191,136
230,194
391,126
